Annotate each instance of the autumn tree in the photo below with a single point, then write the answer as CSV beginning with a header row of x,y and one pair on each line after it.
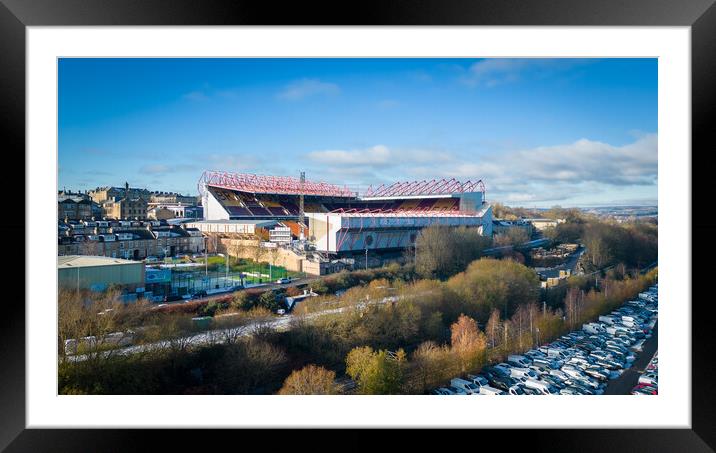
x,y
310,380
468,343
492,328
430,366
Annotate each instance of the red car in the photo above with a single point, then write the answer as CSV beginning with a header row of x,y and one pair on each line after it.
x,y
644,389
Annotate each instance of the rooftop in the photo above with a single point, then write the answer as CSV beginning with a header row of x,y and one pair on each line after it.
x,y
235,222
425,187
73,261
286,185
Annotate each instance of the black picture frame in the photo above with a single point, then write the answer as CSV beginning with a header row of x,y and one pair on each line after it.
x,y
700,15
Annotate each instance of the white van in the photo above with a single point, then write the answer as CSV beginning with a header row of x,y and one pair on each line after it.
x,y
541,387
522,373
487,390
469,387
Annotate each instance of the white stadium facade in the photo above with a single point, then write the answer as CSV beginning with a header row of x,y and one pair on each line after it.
x,y
337,222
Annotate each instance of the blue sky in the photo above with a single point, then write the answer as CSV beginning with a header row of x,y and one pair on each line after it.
x,y
539,132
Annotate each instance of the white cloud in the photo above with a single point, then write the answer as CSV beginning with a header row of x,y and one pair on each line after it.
x,y
584,168
307,87
376,155
497,71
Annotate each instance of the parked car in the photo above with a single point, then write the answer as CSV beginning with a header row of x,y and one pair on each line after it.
x,y
478,380
540,386
469,387
457,391
487,390
649,378
515,390
519,361
443,391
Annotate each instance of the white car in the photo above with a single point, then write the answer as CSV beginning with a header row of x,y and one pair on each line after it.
x,y
283,281
478,380
469,387
649,378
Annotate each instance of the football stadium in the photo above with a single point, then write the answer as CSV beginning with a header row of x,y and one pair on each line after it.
x,y
329,223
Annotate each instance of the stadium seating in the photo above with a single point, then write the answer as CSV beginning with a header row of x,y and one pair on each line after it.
x,y
241,204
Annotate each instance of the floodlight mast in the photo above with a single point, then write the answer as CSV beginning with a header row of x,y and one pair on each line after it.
x,y
301,216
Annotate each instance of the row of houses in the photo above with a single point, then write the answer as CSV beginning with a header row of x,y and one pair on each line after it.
x,y
133,240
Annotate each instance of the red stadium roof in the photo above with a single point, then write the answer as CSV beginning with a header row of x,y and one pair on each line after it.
x,y
425,187
286,185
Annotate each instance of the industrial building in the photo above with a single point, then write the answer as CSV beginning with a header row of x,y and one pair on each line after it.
x,y
98,273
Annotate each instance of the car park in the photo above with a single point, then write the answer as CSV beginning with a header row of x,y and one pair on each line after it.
x,y
583,361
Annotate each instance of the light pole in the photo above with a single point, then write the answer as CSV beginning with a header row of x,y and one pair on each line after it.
x,y
538,343
206,259
366,258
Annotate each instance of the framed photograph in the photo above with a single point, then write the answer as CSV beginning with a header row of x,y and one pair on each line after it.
x,y
269,220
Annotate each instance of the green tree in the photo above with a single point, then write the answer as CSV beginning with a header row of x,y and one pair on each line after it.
x,y
269,301
489,283
376,372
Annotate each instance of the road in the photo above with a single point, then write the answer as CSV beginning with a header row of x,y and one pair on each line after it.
x,y
222,335
629,378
